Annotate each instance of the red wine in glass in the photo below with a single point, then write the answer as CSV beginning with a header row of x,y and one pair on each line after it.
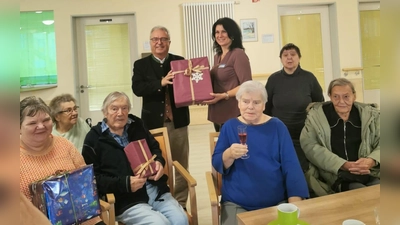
x,y
242,132
243,138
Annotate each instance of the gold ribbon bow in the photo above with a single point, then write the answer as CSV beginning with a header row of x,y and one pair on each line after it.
x,y
144,166
188,72
191,69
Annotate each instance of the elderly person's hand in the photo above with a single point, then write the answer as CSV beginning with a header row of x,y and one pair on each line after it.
x,y
160,171
360,167
137,182
237,150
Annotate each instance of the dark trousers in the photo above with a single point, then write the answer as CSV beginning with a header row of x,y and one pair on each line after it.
x,y
217,127
304,163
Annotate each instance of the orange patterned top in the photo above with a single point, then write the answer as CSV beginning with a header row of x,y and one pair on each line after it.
x,y
62,155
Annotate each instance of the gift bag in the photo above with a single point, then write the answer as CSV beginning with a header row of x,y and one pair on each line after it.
x,y
140,158
192,82
67,198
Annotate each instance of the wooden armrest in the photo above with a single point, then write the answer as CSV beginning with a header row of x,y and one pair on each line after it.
x,y
211,189
193,218
189,178
108,215
110,198
104,206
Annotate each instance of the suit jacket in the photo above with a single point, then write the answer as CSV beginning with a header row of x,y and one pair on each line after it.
x,y
146,83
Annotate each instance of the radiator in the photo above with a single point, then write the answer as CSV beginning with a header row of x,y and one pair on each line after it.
x,y
198,19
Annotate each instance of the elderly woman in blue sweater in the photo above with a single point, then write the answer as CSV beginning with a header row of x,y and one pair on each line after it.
x,y
271,172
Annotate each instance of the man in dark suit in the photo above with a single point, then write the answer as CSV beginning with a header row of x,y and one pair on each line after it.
x,y
152,80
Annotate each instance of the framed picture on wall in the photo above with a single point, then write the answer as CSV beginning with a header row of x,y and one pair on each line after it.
x,y
249,29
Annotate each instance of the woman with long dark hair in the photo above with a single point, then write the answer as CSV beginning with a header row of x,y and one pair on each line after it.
x,y
231,68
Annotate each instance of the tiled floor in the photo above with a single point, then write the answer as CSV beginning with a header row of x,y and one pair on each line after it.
x,y
199,163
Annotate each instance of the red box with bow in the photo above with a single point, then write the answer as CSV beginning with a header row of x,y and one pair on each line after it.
x,y
140,158
192,82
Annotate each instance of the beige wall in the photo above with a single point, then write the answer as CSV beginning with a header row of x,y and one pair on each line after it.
x,y
263,56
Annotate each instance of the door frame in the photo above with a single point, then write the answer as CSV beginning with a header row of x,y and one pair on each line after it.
x,y
372,95
80,52
323,10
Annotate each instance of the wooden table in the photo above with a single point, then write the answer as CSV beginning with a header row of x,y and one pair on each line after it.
x,y
327,210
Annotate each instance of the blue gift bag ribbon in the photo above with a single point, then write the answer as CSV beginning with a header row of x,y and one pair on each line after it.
x,y
72,201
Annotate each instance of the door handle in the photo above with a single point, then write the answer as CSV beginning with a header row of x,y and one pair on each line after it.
x,y
87,86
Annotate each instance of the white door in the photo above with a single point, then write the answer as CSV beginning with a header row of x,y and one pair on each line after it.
x,y
308,28
370,27
106,51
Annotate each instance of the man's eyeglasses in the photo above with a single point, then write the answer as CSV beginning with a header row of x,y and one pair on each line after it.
x,y
69,110
156,39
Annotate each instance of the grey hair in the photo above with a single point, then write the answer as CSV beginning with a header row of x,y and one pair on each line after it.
x,y
252,86
160,28
56,102
112,97
340,82
30,106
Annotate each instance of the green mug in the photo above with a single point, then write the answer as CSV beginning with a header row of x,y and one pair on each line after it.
x,y
288,214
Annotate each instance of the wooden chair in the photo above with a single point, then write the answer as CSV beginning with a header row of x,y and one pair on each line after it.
x,y
214,184
161,135
107,210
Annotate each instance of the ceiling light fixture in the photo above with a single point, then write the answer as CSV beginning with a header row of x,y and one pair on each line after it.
x,y
48,22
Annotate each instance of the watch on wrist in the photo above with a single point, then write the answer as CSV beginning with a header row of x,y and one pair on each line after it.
x,y
226,96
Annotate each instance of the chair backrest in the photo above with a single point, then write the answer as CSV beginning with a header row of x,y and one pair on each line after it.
x,y
216,176
161,135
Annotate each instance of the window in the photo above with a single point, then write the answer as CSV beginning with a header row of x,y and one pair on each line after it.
x,y
38,50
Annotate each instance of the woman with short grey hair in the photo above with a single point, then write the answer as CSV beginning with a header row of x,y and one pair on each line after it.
x,y
341,139
252,87
67,122
261,171
340,82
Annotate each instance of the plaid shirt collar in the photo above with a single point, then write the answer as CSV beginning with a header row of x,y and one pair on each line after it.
x,y
122,140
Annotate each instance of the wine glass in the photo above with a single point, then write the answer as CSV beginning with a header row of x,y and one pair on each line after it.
x,y
242,132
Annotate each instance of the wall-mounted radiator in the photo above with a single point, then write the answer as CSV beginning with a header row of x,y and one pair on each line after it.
x,y
198,21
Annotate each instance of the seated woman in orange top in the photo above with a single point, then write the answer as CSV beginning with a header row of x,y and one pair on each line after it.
x,y
41,154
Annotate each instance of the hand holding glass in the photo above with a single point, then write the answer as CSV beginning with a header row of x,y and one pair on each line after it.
x,y
242,132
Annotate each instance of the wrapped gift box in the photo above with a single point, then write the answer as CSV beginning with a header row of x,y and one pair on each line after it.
x,y
140,158
67,198
192,82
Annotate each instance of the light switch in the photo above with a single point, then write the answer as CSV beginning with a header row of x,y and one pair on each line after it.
x,y
267,38
146,46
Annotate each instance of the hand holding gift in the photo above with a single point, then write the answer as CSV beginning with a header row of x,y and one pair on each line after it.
x,y
137,182
160,171
217,97
167,79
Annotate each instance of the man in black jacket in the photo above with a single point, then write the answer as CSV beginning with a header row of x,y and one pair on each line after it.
x,y
152,80
138,200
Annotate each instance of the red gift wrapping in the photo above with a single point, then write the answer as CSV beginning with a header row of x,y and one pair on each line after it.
x,y
140,158
192,82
